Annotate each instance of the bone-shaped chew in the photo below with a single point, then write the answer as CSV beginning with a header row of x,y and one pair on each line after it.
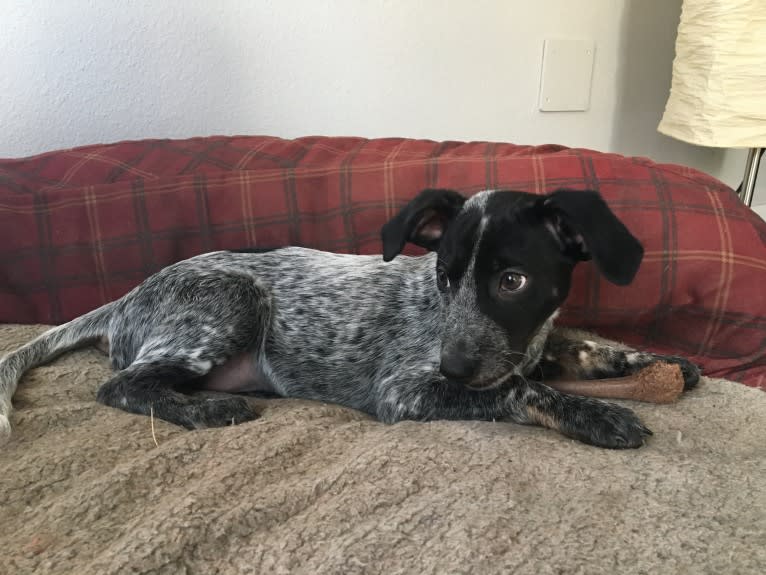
x,y
657,383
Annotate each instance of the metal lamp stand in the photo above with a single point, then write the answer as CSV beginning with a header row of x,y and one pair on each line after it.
x,y
751,173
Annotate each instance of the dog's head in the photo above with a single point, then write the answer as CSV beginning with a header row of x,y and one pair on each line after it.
x,y
504,266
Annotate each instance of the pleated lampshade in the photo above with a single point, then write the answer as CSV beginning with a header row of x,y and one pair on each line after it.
x,y
718,93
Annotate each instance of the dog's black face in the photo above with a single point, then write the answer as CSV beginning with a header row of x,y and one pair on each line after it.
x,y
504,267
497,256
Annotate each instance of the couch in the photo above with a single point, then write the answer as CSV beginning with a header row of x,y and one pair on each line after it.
x,y
309,487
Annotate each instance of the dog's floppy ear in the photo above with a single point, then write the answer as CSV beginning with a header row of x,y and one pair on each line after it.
x,y
586,229
421,222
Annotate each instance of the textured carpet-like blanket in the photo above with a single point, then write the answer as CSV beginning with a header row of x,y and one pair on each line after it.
x,y
313,488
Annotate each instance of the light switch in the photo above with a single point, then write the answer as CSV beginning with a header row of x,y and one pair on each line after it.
x,y
566,75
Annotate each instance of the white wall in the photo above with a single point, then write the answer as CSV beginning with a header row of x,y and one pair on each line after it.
x,y
79,72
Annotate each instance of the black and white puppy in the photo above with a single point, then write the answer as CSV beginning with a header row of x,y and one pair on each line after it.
x,y
465,332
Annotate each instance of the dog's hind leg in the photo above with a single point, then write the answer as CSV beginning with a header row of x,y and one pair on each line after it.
x,y
202,324
85,329
150,388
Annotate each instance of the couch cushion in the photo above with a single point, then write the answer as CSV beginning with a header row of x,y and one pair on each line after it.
x,y
81,227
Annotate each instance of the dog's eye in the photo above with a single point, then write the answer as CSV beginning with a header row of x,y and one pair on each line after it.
x,y
442,281
512,282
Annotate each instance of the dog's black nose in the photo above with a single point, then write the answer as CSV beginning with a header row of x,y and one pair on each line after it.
x,y
458,366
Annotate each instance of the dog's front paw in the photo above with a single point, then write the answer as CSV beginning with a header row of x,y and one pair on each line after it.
x,y
690,371
604,425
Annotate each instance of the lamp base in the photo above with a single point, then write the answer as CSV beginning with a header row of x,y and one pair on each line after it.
x,y
751,174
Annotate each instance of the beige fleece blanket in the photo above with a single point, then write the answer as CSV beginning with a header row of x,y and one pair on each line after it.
x,y
312,488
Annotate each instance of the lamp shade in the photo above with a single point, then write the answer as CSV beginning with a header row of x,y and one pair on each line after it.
x,y
718,93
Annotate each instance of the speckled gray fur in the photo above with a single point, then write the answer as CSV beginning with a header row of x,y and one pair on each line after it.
x,y
347,329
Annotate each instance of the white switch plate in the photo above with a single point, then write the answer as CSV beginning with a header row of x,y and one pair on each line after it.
x,y
566,75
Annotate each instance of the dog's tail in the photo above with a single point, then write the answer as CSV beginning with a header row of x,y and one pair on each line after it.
x,y
50,344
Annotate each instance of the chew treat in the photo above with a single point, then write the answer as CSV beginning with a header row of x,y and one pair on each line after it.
x,y
657,383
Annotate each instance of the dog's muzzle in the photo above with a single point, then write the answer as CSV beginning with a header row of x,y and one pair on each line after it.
x,y
457,364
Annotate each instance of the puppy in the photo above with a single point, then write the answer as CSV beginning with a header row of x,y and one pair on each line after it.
x,y
464,332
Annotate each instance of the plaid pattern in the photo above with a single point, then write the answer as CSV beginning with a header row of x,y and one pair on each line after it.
x,y
81,227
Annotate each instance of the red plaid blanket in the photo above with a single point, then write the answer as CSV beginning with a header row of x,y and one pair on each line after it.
x,y
81,227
